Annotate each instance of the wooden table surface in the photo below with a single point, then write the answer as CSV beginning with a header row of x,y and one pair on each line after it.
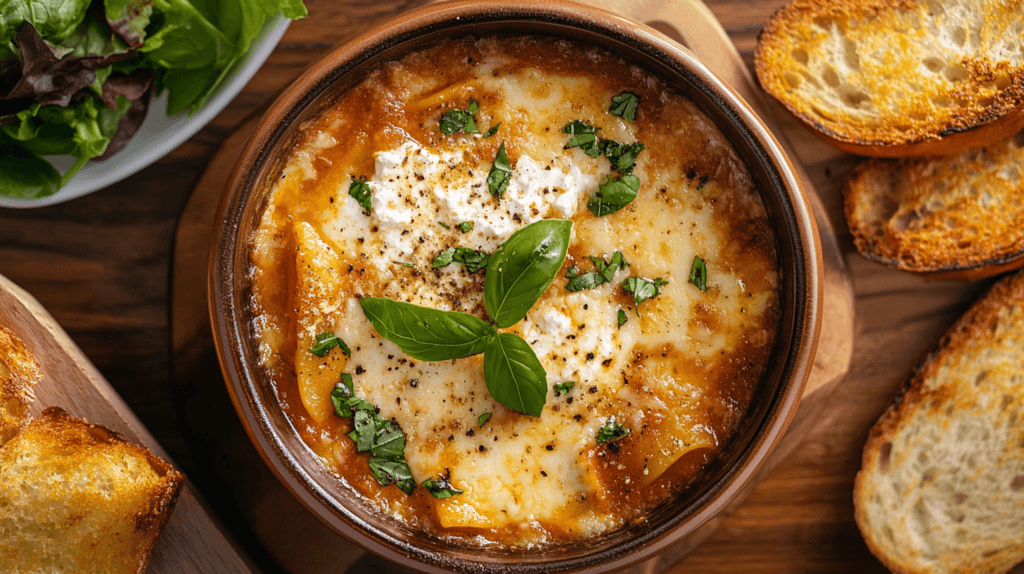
x,y
101,265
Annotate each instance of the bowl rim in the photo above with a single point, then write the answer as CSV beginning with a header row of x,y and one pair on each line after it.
x,y
395,32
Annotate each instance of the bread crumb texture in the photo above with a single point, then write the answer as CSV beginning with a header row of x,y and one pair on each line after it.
x,y
19,373
894,72
941,488
939,214
77,498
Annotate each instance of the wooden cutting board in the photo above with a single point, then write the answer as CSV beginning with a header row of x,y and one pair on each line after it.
x,y
273,515
193,541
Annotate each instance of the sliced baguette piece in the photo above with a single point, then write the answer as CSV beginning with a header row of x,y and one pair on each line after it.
x,y
77,498
898,78
19,373
959,216
941,486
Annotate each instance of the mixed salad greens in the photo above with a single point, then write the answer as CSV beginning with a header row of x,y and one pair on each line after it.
x,y
77,76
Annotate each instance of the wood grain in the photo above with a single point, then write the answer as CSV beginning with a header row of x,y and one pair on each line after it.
x,y
192,540
101,265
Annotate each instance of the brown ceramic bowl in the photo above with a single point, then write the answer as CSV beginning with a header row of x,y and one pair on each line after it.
x,y
678,521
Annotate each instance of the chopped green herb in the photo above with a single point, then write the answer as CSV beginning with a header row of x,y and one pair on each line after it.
x,y
404,263
500,174
613,195
572,272
441,487
454,120
444,225
388,471
699,273
622,318
471,259
624,105
642,289
482,419
327,341
360,191
583,136
622,156
466,226
564,388
605,272
384,440
492,131
612,431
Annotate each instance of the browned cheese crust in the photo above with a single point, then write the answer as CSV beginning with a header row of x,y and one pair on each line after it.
x,y
962,216
941,486
19,373
78,498
897,78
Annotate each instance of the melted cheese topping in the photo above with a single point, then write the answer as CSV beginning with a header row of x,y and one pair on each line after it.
x,y
679,373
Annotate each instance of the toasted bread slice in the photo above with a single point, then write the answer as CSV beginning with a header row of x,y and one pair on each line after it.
x,y
19,373
941,486
77,498
960,216
898,78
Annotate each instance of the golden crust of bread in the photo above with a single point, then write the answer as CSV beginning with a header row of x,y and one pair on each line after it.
x,y
958,216
897,78
78,498
969,392
19,373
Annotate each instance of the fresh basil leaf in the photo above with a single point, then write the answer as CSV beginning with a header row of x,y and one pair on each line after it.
x,y
454,120
624,105
482,419
388,471
564,388
389,440
642,289
441,487
327,341
471,259
583,136
500,174
605,272
493,130
427,334
699,273
444,258
584,281
622,318
364,429
514,375
613,195
612,431
622,156
466,226
340,395
609,269
521,269
360,191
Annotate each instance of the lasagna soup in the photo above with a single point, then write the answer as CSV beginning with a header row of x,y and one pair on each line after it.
x,y
652,336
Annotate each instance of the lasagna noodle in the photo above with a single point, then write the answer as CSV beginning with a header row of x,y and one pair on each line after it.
x,y
318,298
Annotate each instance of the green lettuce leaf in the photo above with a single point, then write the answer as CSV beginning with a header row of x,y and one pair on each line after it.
x,y
54,20
82,130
